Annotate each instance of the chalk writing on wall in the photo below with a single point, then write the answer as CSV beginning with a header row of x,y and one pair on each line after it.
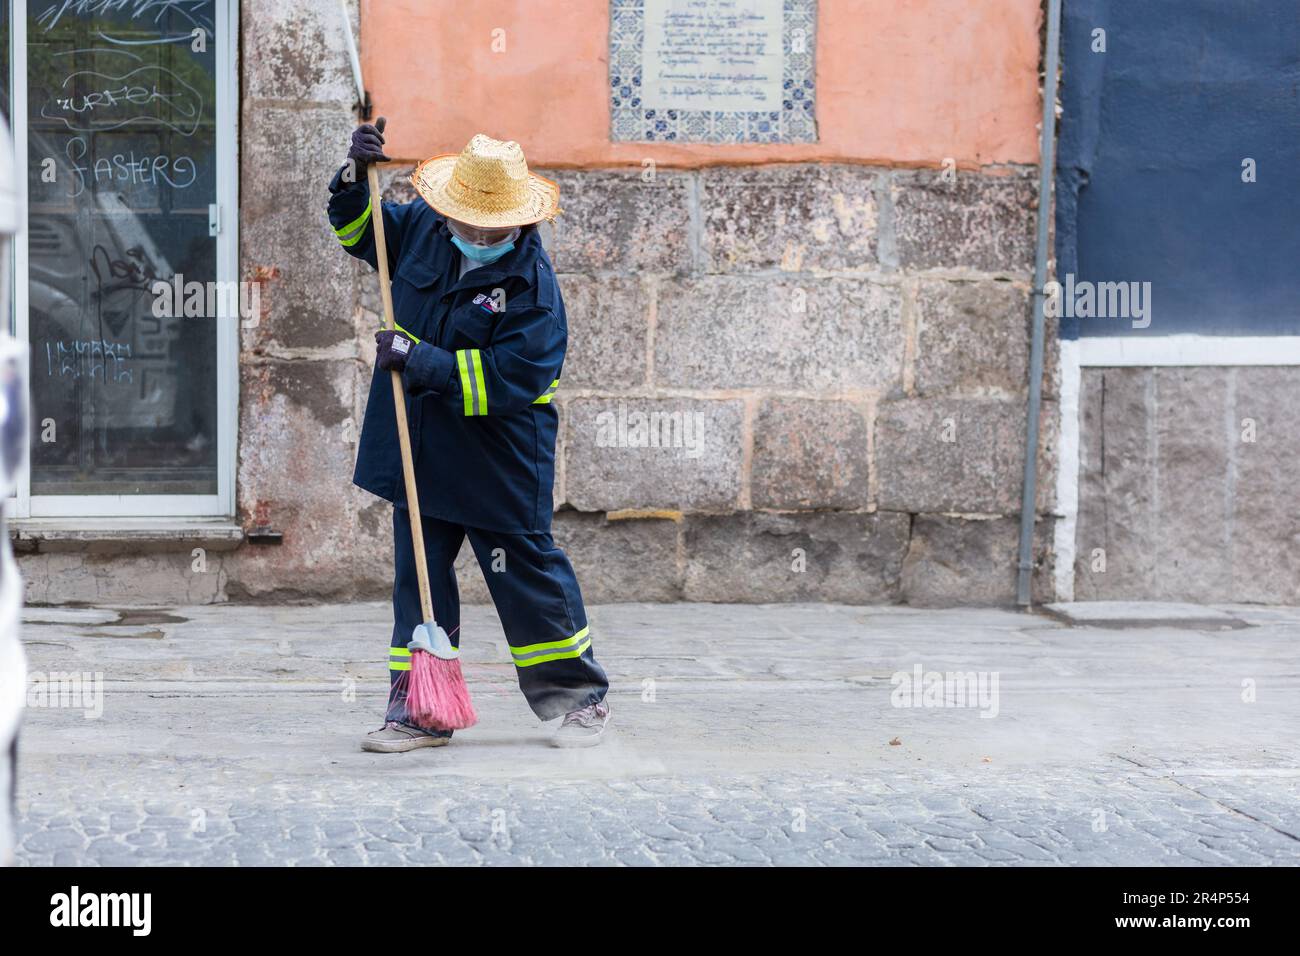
x,y
89,101
190,12
129,169
134,97
93,358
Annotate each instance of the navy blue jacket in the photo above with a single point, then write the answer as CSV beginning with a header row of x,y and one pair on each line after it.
x,y
479,386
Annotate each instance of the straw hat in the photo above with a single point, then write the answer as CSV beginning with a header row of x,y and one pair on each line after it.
x,y
487,185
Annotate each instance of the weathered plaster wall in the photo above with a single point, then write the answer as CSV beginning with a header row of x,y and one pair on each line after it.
x,y
305,369
898,82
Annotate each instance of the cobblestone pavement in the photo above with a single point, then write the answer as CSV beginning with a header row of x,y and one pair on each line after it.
x,y
752,735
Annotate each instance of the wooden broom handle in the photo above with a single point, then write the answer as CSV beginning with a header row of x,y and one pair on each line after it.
x,y
399,398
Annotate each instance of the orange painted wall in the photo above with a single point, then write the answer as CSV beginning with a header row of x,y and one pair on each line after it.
x,y
903,82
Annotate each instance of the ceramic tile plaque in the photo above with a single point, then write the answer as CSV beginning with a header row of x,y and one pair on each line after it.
x,y
712,71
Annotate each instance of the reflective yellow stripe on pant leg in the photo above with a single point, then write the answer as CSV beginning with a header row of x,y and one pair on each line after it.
x,y
558,655
566,647
399,658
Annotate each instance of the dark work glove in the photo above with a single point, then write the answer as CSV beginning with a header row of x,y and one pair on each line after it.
x,y
393,350
367,145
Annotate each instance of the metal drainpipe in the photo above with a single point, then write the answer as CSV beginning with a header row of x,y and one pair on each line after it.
x,y
1047,165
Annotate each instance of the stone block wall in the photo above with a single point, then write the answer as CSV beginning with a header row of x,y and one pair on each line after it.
x,y
1187,485
834,363
832,356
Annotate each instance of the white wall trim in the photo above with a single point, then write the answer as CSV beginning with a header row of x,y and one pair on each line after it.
x,y
1067,470
20,506
227,146
1135,352
1119,351
126,507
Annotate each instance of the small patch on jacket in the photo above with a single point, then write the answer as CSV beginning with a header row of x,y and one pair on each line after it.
x,y
487,303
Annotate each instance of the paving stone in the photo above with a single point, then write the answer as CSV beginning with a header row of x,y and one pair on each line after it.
x,y
51,840
711,772
1151,613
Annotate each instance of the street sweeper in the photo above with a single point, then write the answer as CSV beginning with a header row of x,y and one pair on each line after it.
x,y
460,419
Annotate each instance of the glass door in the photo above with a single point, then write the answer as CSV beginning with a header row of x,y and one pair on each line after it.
x,y
126,123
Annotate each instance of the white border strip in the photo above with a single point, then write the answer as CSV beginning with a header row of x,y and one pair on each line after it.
x,y
1165,350
1067,470
227,146
1134,351
21,504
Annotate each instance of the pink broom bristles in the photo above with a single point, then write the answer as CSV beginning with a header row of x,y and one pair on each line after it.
x,y
437,696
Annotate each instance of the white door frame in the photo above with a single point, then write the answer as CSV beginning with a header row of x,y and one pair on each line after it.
x,y
1135,352
222,504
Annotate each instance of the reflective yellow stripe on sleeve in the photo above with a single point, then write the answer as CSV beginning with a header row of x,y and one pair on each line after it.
x,y
472,387
409,335
546,396
466,383
351,234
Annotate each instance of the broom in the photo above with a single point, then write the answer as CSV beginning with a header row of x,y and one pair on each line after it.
x,y
436,694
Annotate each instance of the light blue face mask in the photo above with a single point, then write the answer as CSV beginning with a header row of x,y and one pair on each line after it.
x,y
482,254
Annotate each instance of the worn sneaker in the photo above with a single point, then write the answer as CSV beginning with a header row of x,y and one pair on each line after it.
x,y
395,738
583,728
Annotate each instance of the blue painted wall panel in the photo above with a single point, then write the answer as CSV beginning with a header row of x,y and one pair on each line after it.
x,y
1149,178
